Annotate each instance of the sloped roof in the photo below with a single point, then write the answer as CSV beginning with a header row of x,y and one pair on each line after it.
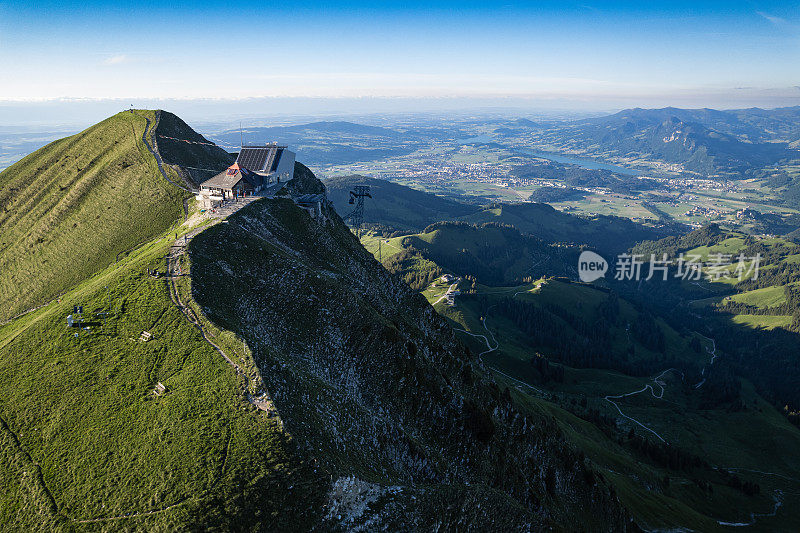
x,y
260,158
231,176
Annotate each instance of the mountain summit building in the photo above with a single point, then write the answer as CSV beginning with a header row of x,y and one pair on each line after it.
x,y
255,169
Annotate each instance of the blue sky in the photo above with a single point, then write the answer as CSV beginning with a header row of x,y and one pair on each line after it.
x,y
661,52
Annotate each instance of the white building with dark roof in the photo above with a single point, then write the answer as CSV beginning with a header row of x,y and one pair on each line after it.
x,y
256,168
233,182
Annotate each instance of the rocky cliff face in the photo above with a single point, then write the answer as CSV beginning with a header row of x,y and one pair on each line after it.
x,y
377,390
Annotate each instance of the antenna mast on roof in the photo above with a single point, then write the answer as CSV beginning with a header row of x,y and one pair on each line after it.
x,y
241,136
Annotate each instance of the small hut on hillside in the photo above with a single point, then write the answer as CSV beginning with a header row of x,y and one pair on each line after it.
x,y
234,182
256,168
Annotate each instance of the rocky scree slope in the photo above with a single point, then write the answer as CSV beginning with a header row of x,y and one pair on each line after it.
x,y
373,383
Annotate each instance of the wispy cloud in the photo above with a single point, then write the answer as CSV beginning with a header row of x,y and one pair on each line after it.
x,y
771,18
116,60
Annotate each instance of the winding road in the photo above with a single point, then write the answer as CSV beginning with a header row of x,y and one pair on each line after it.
x,y
659,396
490,348
661,384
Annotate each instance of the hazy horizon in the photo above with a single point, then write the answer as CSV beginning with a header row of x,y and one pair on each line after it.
x,y
71,113
359,57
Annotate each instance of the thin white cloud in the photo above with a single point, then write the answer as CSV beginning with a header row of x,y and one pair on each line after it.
x,y
116,59
771,18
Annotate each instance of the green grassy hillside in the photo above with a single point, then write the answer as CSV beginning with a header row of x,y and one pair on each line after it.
x,y
573,324
87,444
68,209
104,427
607,233
495,254
768,300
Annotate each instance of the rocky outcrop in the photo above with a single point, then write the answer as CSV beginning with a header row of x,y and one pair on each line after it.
x,y
375,387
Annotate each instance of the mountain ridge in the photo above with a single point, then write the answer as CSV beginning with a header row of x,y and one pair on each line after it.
x,y
379,366
137,421
70,208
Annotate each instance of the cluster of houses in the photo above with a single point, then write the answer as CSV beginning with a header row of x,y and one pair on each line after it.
x,y
257,168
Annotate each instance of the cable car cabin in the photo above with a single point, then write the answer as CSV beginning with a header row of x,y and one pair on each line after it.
x,y
234,182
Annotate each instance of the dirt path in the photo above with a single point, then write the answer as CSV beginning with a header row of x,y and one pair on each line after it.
x,y
450,289
490,349
156,155
713,353
778,501
661,384
649,387
33,471
131,515
174,273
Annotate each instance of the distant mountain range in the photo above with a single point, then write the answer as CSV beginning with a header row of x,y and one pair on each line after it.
x,y
704,141
754,124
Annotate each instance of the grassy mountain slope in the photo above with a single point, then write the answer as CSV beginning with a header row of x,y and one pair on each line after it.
x,y
88,439
495,254
374,384
607,233
88,445
499,254
573,314
68,209
195,160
